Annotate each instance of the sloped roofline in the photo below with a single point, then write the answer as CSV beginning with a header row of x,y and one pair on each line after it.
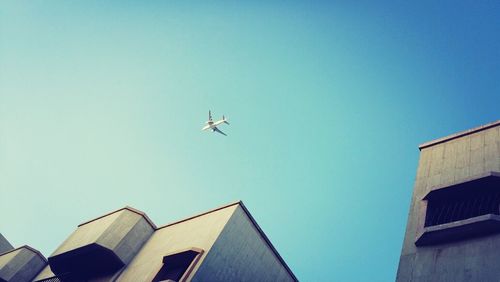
x,y
252,220
458,135
200,214
141,213
28,248
240,203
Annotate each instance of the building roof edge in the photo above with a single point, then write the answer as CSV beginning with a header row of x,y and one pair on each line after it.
x,y
458,135
26,247
200,214
141,213
252,220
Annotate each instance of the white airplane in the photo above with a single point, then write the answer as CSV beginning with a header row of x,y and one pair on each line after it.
x,y
210,124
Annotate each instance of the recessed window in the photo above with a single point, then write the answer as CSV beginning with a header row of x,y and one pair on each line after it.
x,y
462,211
460,205
176,267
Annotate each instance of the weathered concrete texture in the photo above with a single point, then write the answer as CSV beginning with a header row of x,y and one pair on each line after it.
x,y
44,274
4,244
103,245
242,254
21,264
198,232
448,162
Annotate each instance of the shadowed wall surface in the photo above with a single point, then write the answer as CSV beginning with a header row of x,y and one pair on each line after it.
x,y
4,244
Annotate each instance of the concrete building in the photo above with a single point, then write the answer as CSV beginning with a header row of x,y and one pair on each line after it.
x,y
4,244
224,244
20,264
453,229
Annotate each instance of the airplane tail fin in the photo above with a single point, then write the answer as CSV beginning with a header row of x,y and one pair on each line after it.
x,y
224,119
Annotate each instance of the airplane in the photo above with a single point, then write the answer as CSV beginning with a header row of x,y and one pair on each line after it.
x,y
210,124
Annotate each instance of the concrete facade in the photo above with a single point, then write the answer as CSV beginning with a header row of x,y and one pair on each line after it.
x,y
21,264
4,244
233,256
461,248
102,246
199,232
224,244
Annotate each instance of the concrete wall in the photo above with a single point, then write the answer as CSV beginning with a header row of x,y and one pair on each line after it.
x,y
4,244
198,232
21,264
452,161
88,233
119,236
232,247
241,254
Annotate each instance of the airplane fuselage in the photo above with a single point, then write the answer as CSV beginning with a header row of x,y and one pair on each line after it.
x,y
211,124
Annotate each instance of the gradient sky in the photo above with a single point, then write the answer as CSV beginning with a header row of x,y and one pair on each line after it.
x,y
102,102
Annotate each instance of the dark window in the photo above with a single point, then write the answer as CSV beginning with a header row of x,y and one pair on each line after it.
x,y
461,211
463,201
176,265
457,207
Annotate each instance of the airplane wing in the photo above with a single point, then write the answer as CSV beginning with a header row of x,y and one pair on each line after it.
x,y
218,130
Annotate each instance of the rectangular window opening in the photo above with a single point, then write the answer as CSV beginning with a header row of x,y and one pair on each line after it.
x,y
460,205
177,266
461,211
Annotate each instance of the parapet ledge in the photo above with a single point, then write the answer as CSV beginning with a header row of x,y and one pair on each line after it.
x,y
458,135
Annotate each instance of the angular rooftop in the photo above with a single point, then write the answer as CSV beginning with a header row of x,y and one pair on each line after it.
x,y
223,244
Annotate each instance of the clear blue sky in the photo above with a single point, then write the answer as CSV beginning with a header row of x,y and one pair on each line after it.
x,y
102,102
